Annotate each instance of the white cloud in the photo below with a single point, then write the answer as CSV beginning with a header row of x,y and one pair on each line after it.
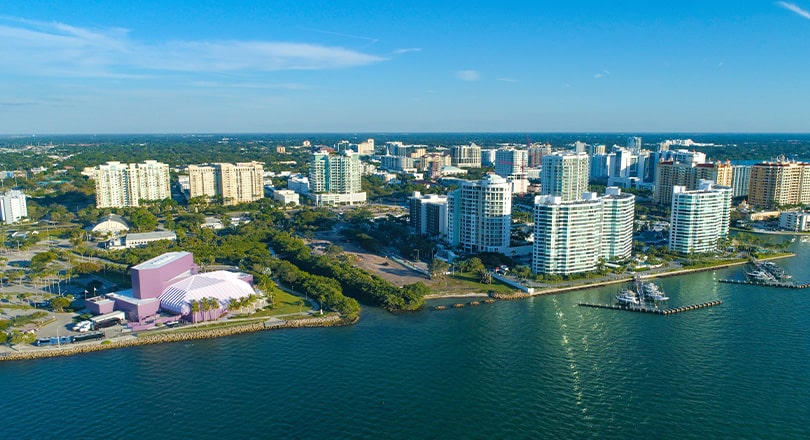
x,y
468,75
54,49
407,49
795,8
248,85
509,80
601,74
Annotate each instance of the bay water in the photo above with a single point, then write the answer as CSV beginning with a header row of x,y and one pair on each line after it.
x,y
536,368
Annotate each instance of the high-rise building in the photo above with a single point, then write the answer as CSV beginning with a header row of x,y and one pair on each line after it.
x,y
669,174
466,156
571,236
699,218
567,234
618,212
779,183
510,162
366,148
488,157
428,214
12,206
634,143
536,153
593,149
334,179
125,185
239,183
720,173
481,215
740,178
565,175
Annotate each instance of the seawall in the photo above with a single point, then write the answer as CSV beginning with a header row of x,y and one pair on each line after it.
x,y
161,338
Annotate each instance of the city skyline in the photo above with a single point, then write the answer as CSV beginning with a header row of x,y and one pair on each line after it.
x,y
178,67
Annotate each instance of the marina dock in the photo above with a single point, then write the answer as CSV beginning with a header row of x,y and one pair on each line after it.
x,y
781,284
653,310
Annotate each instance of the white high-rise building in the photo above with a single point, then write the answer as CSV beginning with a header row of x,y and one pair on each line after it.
x,y
634,143
740,179
571,236
125,185
13,206
617,224
481,215
699,218
567,234
511,162
334,179
565,175
428,214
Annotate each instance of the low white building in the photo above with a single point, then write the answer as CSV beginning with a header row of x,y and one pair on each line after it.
x,y
298,184
286,196
334,199
140,239
212,223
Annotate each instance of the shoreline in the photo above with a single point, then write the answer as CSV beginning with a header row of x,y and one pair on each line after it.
x,y
557,290
320,321
160,338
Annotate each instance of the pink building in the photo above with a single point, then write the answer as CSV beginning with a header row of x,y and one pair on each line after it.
x,y
170,282
152,277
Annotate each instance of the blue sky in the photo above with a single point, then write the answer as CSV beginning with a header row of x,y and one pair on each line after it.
x,y
410,66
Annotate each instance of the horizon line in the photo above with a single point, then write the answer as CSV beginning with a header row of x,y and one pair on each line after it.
x,y
406,132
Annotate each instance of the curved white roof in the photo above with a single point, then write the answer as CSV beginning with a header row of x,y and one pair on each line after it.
x,y
220,284
111,223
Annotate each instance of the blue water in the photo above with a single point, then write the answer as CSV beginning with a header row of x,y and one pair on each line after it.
x,y
538,368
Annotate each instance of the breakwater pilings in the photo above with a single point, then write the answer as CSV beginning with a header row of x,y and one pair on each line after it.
x,y
780,284
653,310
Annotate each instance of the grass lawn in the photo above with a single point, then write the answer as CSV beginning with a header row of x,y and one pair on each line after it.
x,y
468,283
197,328
287,303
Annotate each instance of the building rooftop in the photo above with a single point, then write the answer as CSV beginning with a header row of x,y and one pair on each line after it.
x,y
161,260
151,235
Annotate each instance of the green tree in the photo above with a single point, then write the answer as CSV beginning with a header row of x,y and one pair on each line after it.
x,y
142,220
18,337
59,303
473,265
438,268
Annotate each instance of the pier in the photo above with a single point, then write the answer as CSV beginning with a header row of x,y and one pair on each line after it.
x,y
780,284
653,310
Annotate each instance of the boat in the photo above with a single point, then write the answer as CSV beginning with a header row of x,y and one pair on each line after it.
x,y
651,292
760,276
627,297
774,270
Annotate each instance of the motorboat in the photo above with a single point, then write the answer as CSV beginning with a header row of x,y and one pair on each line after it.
x,y
627,297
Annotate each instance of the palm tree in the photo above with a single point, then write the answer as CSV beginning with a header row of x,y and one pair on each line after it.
x,y
214,305
206,306
195,308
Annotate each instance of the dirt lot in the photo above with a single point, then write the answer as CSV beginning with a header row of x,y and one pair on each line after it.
x,y
389,270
